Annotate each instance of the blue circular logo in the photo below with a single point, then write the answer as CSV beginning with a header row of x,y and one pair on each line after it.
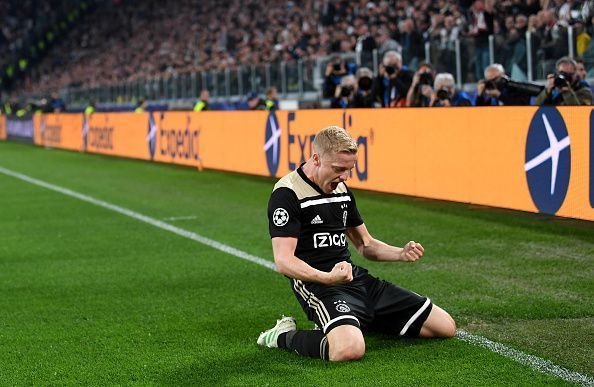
x,y
272,143
548,160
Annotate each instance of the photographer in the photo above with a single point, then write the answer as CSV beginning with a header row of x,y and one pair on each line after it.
x,y
496,89
392,84
564,87
335,70
363,93
421,90
446,94
344,95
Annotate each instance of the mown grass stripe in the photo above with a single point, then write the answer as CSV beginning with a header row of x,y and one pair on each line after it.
x,y
533,362
147,219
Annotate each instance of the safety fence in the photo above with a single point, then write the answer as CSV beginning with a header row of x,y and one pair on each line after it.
x,y
523,158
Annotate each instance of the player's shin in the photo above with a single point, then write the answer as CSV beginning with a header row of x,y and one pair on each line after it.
x,y
305,343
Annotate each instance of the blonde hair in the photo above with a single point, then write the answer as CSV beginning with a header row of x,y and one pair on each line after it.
x,y
334,139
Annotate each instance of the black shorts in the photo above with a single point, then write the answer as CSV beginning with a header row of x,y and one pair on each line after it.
x,y
367,302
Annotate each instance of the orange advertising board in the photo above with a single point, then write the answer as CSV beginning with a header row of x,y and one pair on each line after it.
x,y
117,134
524,158
60,130
2,127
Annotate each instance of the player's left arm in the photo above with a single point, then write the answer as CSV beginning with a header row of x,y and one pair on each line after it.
x,y
376,250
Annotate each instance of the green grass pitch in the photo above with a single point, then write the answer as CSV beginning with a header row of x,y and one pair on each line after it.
x,y
89,296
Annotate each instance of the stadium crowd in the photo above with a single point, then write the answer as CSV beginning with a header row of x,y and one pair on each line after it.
x,y
29,27
126,40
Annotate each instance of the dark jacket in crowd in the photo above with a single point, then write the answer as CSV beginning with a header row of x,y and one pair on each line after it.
x,y
508,97
392,92
460,98
363,101
579,94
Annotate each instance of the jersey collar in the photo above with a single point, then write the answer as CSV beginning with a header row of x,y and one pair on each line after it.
x,y
308,181
312,184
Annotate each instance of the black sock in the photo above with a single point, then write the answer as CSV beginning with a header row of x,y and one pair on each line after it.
x,y
305,343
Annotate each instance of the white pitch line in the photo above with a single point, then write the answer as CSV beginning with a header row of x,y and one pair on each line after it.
x,y
536,363
189,217
147,219
533,362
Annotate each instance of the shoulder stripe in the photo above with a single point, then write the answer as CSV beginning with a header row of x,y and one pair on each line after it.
x,y
316,202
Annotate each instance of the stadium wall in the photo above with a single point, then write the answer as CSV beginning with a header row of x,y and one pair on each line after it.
x,y
523,158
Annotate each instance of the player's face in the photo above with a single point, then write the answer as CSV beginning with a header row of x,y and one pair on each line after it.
x,y
334,168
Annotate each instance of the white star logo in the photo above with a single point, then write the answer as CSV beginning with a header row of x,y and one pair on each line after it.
x,y
552,152
274,140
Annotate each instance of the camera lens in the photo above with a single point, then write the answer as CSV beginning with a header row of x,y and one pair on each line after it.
x,y
346,91
443,94
490,85
365,83
426,79
336,66
562,79
390,70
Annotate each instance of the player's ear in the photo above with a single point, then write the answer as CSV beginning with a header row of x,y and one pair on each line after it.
x,y
316,159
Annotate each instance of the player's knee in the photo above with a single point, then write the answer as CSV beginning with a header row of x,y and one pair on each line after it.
x,y
353,350
439,324
449,328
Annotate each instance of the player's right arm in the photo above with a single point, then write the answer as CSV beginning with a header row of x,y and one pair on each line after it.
x,y
291,266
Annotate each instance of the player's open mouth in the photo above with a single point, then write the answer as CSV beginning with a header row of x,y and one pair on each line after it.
x,y
333,186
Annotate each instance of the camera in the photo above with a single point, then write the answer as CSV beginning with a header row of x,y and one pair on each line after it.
x,y
496,84
365,83
390,69
426,79
443,94
336,67
504,82
345,91
562,79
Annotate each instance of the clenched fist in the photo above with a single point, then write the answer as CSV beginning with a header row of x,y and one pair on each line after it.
x,y
341,273
411,251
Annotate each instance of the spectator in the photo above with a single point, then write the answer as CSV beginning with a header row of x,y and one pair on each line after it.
x,y
385,42
494,90
335,69
582,74
56,103
344,95
421,89
141,106
202,104
582,38
580,69
481,26
363,90
515,47
392,83
411,41
553,36
446,93
255,102
271,98
90,109
565,87
448,35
